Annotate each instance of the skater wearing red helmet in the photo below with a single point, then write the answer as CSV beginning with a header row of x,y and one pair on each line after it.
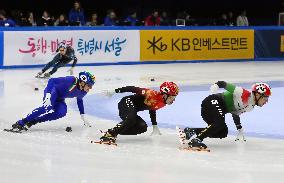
x,y
143,99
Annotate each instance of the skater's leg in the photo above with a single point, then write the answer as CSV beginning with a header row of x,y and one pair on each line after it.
x,y
139,127
213,113
221,134
59,111
51,63
128,114
57,65
43,114
34,114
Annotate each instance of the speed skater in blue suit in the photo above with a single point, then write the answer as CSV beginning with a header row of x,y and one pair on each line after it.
x,y
54,106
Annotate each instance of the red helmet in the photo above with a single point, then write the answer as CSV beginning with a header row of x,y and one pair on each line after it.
x,y
169,88
261,88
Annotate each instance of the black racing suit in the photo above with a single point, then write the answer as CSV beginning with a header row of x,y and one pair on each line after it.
x,y
213,110
128,107
60,60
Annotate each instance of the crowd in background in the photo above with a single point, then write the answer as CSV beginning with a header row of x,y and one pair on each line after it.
x,y
78,17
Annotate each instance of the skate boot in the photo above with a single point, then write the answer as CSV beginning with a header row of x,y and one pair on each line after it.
x,y
30,124
39,75
197,143
18,127
47,75
189,132
107,138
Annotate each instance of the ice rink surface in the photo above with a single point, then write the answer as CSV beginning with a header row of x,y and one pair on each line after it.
x,y
49,154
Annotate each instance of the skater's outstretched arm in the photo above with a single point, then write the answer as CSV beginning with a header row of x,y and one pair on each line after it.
x,y
153,117
70,55
80,104
74,61
237,121
227,86
156,130
132,89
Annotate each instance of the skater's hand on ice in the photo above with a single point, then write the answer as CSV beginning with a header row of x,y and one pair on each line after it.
x,y
240,135
156,130
71,71
214,88
109,93
86,122
46,100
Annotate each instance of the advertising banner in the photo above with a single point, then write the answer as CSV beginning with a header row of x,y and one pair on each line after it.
x,y
91,46
196,44
269,43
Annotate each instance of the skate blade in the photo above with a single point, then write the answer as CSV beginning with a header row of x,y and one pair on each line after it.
x,y
194,149
42,77
11,130
181,135
105,143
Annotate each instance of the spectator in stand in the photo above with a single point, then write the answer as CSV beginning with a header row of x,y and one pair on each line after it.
x,y
61,21
242,19
223,21
153,19
231,19
165,20
94,20
17,16
131,19
31,19
25,18
4,21
45,20
110,19
76,15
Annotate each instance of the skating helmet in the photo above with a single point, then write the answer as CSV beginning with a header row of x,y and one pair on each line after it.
x,y
261,88
62,45
169,88
87,78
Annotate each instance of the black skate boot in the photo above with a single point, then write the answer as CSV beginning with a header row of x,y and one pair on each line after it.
x,y
47,75
189,132
107,138
39,75
30,124
17,128
197,143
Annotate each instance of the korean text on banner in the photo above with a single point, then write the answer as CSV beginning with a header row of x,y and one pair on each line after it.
x,y
91,46
196,44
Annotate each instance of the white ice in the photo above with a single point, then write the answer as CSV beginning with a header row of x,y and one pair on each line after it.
x,y
49,154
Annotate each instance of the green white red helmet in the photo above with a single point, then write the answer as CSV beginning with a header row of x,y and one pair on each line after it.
x,y
261,88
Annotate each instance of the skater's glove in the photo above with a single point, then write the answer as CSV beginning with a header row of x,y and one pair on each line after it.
x,y
240,135
156,130
71,71
86,122
47,100
109,93
214,88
